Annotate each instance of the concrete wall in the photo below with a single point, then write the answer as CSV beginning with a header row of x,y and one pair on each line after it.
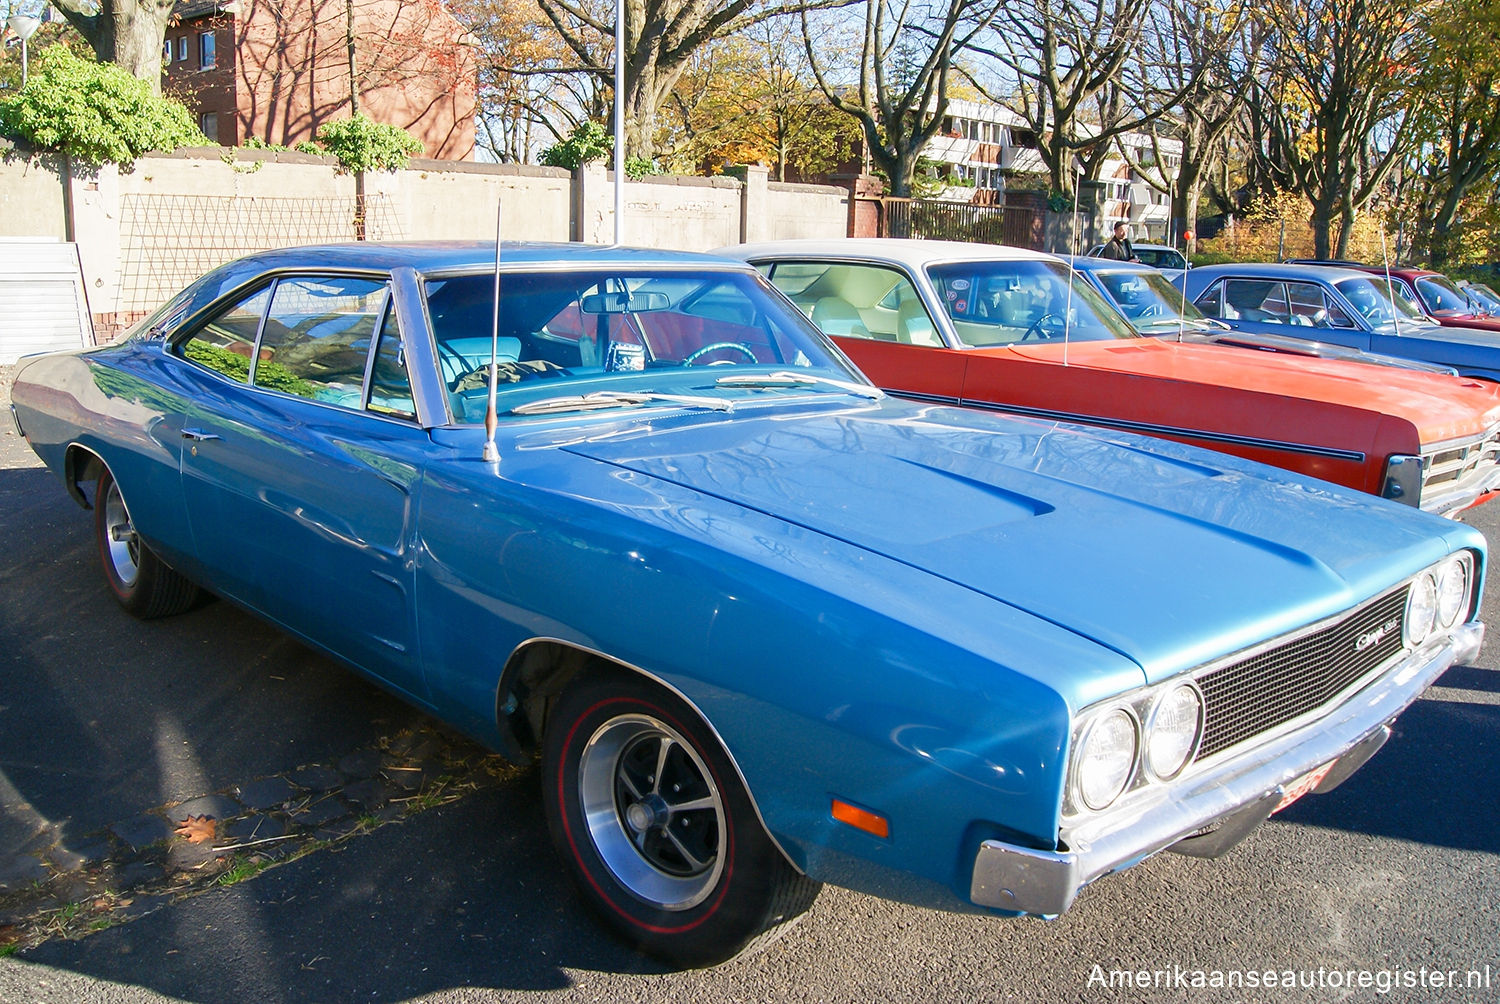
x,y
145,233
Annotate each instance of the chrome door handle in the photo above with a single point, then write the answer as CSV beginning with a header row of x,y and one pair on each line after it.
x,y
198,435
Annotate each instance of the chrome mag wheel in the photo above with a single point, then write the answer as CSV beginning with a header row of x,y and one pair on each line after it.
x,y
652,811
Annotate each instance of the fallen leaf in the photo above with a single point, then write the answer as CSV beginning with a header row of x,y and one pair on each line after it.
x,y
198,829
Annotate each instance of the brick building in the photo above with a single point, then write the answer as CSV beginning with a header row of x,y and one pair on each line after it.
x,y
275,72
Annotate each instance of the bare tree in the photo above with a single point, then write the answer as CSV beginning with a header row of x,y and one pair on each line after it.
x,y
1206,56
660,38
1073,70
905,64
1331,112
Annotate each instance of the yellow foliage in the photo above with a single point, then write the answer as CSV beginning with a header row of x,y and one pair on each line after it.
x,y
1281,227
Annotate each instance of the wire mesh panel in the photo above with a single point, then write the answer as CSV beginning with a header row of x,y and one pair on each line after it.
x,y
167,241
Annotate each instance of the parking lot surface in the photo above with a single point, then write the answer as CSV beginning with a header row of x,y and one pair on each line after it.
x,y
390,860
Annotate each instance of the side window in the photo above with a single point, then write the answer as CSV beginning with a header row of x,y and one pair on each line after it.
x,y
226,344
317,336
1308,305
1211,300
858,301
1260,300
390,383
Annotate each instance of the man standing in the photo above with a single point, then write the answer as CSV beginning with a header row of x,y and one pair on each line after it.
x,y
1118,246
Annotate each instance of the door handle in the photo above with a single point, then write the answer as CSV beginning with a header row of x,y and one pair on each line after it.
x,y
199,436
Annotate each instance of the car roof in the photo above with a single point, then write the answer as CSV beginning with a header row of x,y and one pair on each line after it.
x,y
429,256
912,253
1091,264
1277,270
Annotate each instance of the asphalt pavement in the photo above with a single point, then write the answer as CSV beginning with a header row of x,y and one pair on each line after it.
x,y
1384,890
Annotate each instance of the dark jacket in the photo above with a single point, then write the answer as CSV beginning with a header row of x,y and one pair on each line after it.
x,y
1118,249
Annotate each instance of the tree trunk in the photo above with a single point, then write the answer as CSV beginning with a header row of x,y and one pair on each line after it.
x,y
128,33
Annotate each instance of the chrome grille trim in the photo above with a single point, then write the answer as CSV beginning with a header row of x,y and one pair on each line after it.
x,y
1456,473
1255,693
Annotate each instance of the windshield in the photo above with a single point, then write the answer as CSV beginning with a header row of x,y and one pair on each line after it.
x,y
637,332
1149,300
1441,296
1004,302
1372,299
1160,257
1484,297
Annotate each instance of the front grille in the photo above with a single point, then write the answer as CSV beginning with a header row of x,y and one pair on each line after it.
x,y
1452,468
1274,686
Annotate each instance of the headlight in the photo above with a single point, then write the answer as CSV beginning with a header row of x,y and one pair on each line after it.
x,y
1172,733
1106,759
1421,608
1452,592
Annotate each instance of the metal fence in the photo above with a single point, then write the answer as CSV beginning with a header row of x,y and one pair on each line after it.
x,y
931,219
169,240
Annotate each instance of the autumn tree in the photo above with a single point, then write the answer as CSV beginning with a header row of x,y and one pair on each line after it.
x,y
903,66
750,100
1332,107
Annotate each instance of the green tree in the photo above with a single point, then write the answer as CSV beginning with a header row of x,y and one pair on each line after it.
x,y
588,142
128,33
361,144
93,112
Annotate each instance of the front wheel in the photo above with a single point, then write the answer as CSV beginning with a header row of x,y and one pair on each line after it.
x,y
651,818
144,584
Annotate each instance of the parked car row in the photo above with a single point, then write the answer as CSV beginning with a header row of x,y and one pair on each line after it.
x,y
766,625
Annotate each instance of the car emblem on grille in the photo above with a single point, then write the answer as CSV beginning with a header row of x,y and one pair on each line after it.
x,y
1378,635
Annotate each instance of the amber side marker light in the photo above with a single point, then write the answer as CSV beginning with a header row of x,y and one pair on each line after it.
x,y
862,819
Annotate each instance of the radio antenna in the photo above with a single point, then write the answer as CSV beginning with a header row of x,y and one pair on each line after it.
x,y
491,416
1077,245
1390,287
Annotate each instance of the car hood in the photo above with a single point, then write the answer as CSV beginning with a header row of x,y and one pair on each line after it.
x,y
1168,555
1441,407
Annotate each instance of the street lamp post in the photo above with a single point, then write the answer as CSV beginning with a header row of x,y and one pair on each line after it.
x,y
24,25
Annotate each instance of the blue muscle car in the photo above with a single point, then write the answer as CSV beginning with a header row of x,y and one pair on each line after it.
x,y
1344,306
767,627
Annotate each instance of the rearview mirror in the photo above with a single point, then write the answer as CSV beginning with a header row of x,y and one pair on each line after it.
x,y
623,303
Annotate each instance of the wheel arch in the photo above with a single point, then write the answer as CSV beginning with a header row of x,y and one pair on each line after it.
x,y
538,671
81,464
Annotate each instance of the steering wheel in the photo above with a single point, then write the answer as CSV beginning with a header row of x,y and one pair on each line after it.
x,y
693,357
1038,329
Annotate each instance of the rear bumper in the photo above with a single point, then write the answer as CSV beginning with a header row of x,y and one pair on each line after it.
x,y
1236,793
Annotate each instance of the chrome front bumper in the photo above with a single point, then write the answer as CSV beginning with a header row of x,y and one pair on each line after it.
x,y
1010,877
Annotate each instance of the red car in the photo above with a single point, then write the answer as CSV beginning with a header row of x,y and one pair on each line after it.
x,y
1001,327
1435,295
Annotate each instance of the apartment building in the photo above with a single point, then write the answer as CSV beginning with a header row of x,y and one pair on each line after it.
x,y
980,144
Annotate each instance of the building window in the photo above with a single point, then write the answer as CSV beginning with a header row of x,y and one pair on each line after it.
x,y
206,58
181,48
166,51
209,123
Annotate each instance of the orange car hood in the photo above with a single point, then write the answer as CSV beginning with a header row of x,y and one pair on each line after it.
x,y
1441,407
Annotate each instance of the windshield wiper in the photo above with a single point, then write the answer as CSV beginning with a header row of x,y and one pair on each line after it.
x,y
616,399
790,378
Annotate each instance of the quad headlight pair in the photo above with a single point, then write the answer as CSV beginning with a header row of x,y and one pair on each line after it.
x,y
1152,735
1440,597
1159,731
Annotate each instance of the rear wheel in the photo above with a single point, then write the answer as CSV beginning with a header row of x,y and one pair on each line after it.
x,y
650,816
142,582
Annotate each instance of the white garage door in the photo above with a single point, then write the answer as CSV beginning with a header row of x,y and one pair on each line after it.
x,y
42,302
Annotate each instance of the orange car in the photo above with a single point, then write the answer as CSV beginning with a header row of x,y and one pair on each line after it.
x,y
999,327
